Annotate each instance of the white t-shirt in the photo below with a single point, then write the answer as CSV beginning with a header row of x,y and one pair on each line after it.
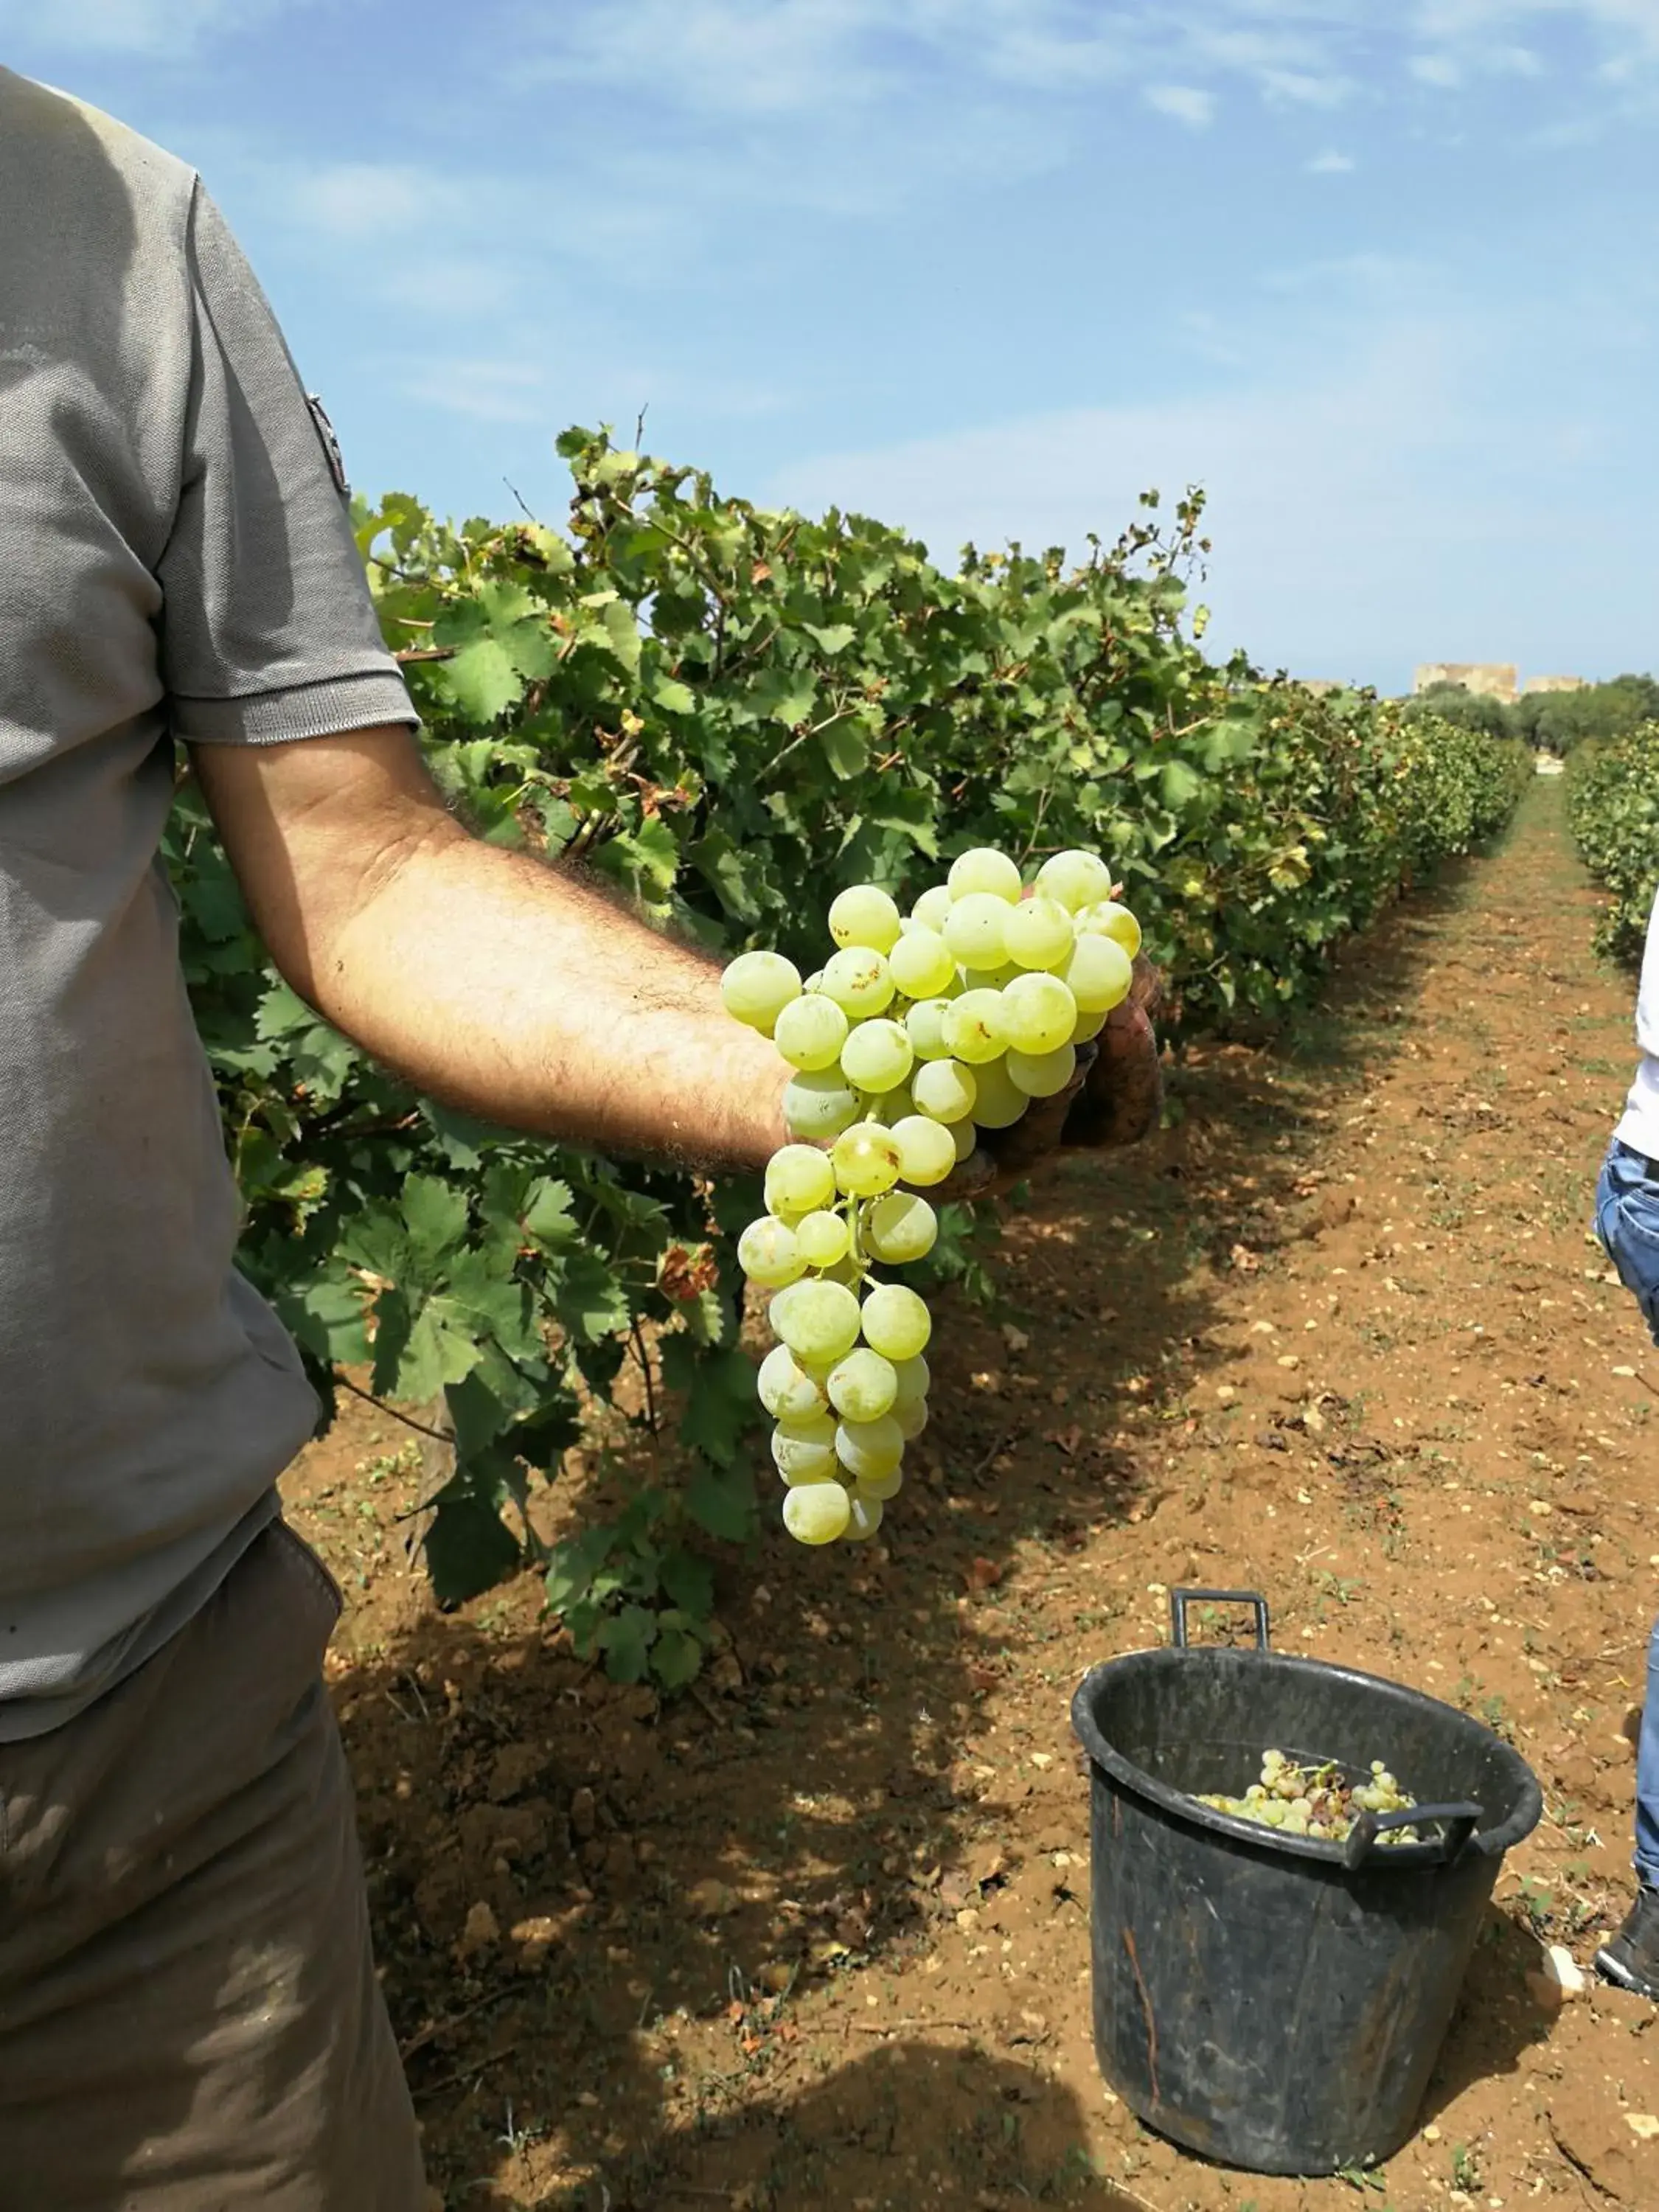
x,y
1639,1128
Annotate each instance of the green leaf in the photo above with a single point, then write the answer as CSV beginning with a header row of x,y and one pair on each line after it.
x,y
587,1297
547,1217
443,1347
846,748
626,1642
784,695
721,1407
676,1658
722,1502
481,681
434,1213
468,1548
673,697
690,1582
1182,785
572,1566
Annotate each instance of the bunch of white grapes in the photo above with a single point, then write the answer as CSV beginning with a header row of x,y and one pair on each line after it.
x,y
918,1031
1318,1800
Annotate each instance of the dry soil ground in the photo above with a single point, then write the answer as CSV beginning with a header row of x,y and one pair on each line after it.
x,y
816,1935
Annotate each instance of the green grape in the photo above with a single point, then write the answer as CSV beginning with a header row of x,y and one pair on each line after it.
x,y
818,1104
922,963
863,1517
1000,1100
931,908
859,981
798,1177
891,1107
822,1239
786,1390
865,1159
863,1386
757,987
987,978
818,1512
1039,934
900,1228
1106,918
805,1452
869,1447
927,1151
896,1321
973,1026
810,1031
1075,879
877,1056
1087,1026
1043,1074
878,1488
768,1254
1038,1011
913,1420
925,1027
984,872
818,1320
1099,974
967,1139
976,929
944,1089
913,1379
864,915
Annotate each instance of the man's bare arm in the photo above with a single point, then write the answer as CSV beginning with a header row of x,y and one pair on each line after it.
x,y
505,986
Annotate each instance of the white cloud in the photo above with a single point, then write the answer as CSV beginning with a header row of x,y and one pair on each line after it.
x,y
1388,455
359,201
501,390
1437,70
1185,103
1330,164
163,29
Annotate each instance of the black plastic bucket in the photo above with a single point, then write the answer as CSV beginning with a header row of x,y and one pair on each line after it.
x,y
1276,2001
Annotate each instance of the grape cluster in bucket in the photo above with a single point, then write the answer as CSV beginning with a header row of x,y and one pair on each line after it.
x,y
920,1030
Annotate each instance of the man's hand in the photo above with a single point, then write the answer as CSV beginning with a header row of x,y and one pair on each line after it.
x,y
508,987
1112,1100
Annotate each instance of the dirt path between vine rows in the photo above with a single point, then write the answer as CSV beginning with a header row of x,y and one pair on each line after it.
x,y
817,1935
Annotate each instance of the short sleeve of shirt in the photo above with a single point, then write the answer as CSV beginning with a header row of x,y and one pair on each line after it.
x,y
268,632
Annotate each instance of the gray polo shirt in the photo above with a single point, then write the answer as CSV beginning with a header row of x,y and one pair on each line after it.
x,y
176,566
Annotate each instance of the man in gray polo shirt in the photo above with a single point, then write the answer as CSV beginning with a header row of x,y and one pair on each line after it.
x,y
189,2015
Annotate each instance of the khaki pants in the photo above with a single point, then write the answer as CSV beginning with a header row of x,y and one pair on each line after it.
x,y
189,2016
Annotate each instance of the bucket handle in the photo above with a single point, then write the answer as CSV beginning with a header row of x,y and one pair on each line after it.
x,y
1457,1823
1181,1599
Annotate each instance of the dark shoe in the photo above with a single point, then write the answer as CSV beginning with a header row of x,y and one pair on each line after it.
x,y
1631,1957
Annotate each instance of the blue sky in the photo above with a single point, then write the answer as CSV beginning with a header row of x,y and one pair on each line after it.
x,y
1383,275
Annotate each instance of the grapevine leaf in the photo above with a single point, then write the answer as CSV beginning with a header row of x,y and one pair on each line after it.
x,y
547,1217
626,1641
481,681
572,1566
442,1348
675,1657
722,1502
468,1548
690,1582
589,1300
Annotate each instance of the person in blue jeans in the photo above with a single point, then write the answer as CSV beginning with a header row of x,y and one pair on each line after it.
x,y
1627,1223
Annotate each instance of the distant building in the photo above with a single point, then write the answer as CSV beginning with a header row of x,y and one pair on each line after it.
x,y
1488,679
1556,683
